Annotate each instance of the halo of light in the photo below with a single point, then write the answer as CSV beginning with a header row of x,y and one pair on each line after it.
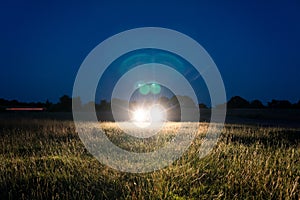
x,y
140,115
89,73
124,89
157,113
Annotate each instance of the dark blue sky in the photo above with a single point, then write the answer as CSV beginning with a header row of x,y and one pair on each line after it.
x,y
254,44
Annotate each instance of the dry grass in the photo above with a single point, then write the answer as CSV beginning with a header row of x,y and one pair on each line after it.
x,y
45,159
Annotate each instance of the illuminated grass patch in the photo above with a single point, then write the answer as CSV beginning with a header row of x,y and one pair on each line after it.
x,y
45,159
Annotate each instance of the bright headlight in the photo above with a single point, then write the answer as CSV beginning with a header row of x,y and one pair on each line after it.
x,y
154,113
140,115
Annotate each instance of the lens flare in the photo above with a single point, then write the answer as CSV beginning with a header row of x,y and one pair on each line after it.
x,y
144,89
155,88
154,113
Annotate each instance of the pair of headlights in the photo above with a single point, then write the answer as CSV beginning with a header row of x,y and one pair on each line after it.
x,y
154,113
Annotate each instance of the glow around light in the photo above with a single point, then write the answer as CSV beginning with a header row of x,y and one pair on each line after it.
x,y
140,115
144,117
100,58
157,113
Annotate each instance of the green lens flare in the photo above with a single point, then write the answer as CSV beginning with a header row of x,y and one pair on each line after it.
x,y
155,88
144,89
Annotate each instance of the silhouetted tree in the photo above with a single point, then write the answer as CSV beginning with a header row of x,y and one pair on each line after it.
x,y
104,105
297,105
13,103
76,101
279,104
174,109
3,104
66,103
238,102
88,107
164,101
202,105
174,101
256,104
48,104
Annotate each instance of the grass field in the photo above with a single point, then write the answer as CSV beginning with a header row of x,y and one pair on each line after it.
x,y
45,159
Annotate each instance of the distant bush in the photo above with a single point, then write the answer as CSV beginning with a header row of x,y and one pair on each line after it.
x,y
238,102
256,104
65,104
279,104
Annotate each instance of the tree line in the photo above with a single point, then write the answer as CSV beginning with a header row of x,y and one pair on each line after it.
x,y
239,102
65,104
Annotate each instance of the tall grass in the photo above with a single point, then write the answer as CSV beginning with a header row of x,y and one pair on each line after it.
x,y
45,159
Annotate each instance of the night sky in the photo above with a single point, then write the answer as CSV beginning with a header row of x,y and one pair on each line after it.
x,y
254,44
